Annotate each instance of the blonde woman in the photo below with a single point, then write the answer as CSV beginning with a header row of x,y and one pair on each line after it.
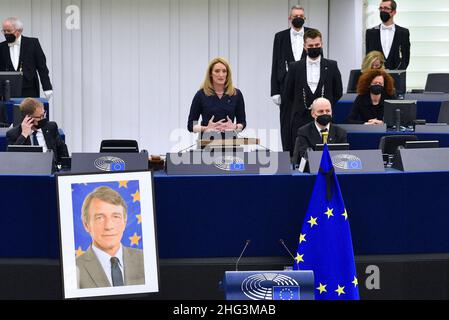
x,y
373,60
218,102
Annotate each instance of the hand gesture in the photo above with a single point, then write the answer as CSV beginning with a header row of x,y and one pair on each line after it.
x,y
27,125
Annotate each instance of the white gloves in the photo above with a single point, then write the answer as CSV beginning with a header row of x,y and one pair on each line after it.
x,y
48,94
277,99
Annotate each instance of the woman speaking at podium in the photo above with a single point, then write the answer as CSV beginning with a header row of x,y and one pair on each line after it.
x,y
218,102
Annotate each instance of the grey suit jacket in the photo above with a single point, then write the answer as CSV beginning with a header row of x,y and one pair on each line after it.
x,y
90,273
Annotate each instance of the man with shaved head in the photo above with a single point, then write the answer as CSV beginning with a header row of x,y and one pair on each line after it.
x,y
321,130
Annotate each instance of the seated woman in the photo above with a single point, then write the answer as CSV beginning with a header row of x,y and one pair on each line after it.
x,y
218,102
373,88
373,60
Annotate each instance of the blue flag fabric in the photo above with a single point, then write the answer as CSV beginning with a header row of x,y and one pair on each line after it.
x,y
325,244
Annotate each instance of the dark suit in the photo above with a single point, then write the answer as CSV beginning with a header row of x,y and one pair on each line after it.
x,y
90,273
308,137
51,135
3,116
399,56
282,58
296,108
31,61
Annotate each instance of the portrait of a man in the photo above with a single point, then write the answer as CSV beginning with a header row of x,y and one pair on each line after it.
x,y
107,262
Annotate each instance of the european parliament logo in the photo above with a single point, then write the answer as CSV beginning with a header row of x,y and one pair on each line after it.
x,y
347,162
229,163
270,286
129,191
110,163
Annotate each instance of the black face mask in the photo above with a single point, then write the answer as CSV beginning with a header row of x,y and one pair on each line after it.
x,y
298,22
384,16
10,38
324,119
314,52
41,123
376,89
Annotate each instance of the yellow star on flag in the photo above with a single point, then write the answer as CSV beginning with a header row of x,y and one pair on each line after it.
x,y
123,184
299,258
340,290
79,251
136,196
322,288
302,238
134,239
345,214
139,218
329,213
355,282
312,221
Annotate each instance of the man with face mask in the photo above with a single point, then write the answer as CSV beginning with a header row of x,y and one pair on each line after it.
x,y
20,53
35,129
321,130
288,47
389,38
307,80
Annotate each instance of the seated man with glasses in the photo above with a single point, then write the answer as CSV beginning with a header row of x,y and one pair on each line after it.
x,y
35,129
389,38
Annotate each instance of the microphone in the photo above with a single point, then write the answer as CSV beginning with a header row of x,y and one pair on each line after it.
x,y
238,260
281,241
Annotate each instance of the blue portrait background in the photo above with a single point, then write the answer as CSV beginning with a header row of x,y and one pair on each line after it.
x,y
129,190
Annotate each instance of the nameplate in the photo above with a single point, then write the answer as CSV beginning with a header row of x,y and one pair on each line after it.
x,y
198,162
19,163
349,161
364,127
428,159
108,162
432,128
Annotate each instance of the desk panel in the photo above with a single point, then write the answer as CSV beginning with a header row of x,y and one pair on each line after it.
x,y
212,216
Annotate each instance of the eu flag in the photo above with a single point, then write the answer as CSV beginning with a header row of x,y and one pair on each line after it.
x,y
325,244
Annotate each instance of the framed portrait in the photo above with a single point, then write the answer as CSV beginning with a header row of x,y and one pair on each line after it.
x,y
108,234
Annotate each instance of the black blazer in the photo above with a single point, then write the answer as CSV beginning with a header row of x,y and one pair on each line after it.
x,y
31,61
51,135
3,116
293,104
282,58
399,56
308,137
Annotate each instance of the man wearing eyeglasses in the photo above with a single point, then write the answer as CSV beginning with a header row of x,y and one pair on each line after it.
x,y
389,38
288,47
35,129
24,54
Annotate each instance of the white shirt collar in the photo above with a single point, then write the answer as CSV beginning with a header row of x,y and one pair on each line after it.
x,y
319,129
18,42
300,33
391,27
313,62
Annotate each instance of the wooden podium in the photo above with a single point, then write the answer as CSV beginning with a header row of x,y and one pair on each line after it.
x,y
226,143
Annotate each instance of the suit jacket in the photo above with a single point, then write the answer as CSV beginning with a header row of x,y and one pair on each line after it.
x,y
51,135
3,116
399,56
308,137
282,58
90,273
31,61
298,97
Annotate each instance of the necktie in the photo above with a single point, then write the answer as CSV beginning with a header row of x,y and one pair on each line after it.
x,y
324,135
116,273
35,142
